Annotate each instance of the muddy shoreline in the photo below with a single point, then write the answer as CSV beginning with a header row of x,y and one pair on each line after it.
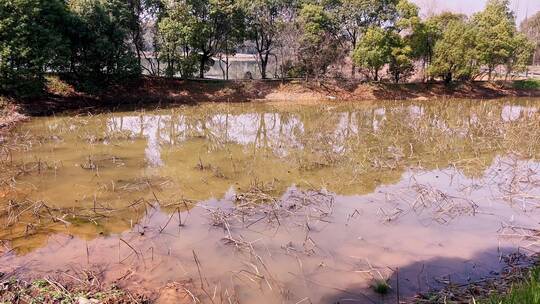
x,y
152,93
136,226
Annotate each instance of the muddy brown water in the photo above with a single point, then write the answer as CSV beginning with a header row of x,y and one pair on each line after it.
x,y
275,203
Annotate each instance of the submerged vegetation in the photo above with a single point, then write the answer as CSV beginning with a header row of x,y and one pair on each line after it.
x,y
268,185
266,202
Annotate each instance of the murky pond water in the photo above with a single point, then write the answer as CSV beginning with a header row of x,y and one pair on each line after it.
x,y
274,203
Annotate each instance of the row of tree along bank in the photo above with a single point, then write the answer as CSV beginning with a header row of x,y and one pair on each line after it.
x,y
97,42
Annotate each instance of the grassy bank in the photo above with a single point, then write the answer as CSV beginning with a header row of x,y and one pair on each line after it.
x,y
87,291
517,283
526,292
529,84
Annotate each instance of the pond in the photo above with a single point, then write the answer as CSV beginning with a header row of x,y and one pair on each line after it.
x,y
274,202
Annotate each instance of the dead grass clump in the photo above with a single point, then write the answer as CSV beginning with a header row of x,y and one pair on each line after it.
x,y
102,161
298,208
152,183
87,288
529,237
111,137
258,193
520,182
21,219
442,206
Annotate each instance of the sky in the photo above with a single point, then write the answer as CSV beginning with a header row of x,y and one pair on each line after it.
x,y
522,8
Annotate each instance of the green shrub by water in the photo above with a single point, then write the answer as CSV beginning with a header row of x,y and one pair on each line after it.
x,y
528,84
525,293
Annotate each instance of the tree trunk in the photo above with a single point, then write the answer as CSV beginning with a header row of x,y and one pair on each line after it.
x,y
448,78
201,66
353,67
264,63
220,62
227,66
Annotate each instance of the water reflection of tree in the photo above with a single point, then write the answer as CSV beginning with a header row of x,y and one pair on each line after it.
x,y
350,149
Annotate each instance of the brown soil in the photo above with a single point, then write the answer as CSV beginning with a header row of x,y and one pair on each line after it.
x,y
149,92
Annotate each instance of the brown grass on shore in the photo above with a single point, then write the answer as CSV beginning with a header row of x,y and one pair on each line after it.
x,y
9,114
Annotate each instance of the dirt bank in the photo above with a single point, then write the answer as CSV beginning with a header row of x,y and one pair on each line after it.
x,y
150,92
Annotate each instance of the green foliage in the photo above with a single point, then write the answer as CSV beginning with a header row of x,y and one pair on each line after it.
x,y
355,17
489,40
529,84
391,46
315,22
31,42
408,17
526,292
495,29
381,287
531,28
319,47
401,64
176,36
373,51
455,56
425,34
521,51
217,24
96,42
99,40
263,23
88,38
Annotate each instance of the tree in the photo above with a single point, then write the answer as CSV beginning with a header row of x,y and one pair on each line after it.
x,y
213,21
455,53
233,31
520,56
495,27
425,35
31,43
401,64
100,50
144,15
319,47
264,20
406,16
373,51
531,28
355,17
176,34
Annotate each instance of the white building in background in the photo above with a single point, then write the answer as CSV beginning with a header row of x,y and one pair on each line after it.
x,y
241,66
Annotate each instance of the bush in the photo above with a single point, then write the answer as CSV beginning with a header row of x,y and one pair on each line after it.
x,y
87,38
529,84
31,42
